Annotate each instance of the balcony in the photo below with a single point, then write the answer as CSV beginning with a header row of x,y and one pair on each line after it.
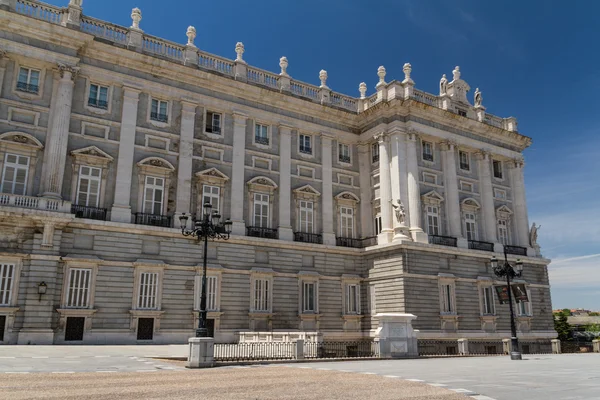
x,y
89,212
442,240
159,117
37,203
356,243
27,88
306,237
257,231
428,157
216,129
344,159
103,104
375,158
305,150
516,250
484,246
261,140
153,220
465,166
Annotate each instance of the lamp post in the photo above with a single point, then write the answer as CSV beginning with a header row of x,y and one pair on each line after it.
x,y
207,227
507,270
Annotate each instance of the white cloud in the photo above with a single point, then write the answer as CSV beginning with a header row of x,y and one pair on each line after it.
x,y
575,272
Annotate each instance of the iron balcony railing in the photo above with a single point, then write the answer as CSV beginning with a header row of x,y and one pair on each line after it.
x,y
89,212
305,150
213,129
485,246
465,166
305,237
516,250
261,140
375,158
159,117
344,159
356,243
257,231
26,87
153,220
427,157
98,103
442,240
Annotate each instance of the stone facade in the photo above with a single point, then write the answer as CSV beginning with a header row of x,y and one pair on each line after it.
x,y
342,207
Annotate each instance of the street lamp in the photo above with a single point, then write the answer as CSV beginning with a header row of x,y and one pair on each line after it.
x,y
507,270
207,227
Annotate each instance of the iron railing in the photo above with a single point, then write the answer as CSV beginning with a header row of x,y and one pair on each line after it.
x,y
306,237
344,159
159,117
485,246
98,103
305,149
27,87
89,212
357,243
437,348
427,157
153,220
213,129
261,140
355,349
442,240
535,346
576,347
486,347
516,250
254,351
257,231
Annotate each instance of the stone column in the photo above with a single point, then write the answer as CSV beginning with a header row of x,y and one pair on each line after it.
x,y
3,64
487,197
451,188
521,219
55,154
121,209
327,197
385,191
285,183
184,170
366,191
237,174
399,190
414,194
8,5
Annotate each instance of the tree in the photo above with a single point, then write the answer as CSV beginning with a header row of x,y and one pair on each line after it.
x,y
594,314
562,326
592,328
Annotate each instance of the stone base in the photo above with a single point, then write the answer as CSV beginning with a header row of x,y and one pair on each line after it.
x,y
238,228
36,336
120,214
397,338
419,236
285,233
385,237
401,234
202,351
329,239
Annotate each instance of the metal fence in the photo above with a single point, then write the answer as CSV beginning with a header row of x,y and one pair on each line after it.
x,y
576,347
452,347
257,351
437,348
356,349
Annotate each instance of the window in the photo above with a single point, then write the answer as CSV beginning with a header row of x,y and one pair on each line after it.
x,y
305,216
159,111
98,96
433,220
503,231
29,80
352,299
488,300
344,153
466,187
211,293
88,187
211,194
497,166
261,210
447,298
429,178
14,176
261,134
470,226
309,295
462,113
153,195
262,295
375,152
346,222
7,277
427,151
465,161
213,122
377,225
305,144
148,291
78,292
500,194
524,307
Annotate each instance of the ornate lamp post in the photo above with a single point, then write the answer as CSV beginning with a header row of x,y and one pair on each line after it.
x,y
507,270
207,227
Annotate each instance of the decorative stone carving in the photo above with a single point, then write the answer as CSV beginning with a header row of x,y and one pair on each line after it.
x,y
533,235
443,85
362,88
191,35
399,211
456,73
2,54
20,139
283,63
381,74
239,50
478,98
76,3
157,163
407,69
136,17
323,78
73,70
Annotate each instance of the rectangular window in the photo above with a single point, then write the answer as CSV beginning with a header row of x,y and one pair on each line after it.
x,y
488,300
7,277
305,144
377,225
524,307
466,187
503,231
88,187
211,293
344,153
497,166
213,122
427,151
159,111
465,161
352,299
29,80
470,226
306,216
500,194
261,210
375,152
430,178
211,194
346,222
447,298
148,291
153,195
78,292
261,295
261,134
433,220
14,176
309,291
98,96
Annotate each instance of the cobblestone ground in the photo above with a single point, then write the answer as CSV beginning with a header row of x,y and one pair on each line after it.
x,y
273,382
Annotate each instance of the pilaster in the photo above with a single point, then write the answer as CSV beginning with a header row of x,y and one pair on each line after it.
x,y
451,188
8,5
366,217
385,191
285,183
3,64
74,11
487,197
398,184
186,149
327,198
414,194
521,220
237,173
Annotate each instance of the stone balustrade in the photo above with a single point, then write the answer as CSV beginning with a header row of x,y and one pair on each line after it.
x,y
38,203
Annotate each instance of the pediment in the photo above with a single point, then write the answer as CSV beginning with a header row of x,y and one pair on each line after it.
x,y
262,181
156,162
212,173
504,210
92,151
307,189
347,196
433,197
471,202
21,138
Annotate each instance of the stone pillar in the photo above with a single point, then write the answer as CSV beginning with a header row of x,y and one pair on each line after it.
x,y
121,209
463,347
284,81
366,192
487,197
191,51
408,83
521,219
397,337
381,86
74,14
556,349
285,183
240,67
55,154
135,36
596,345
324,91
451,188
399,190
414,194
385,191
48,235
202,352
237,174
327,198
507,346
184,170
8,5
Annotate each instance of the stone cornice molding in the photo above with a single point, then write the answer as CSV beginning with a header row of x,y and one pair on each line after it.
x,y
448,145
73,70
482,155
285,128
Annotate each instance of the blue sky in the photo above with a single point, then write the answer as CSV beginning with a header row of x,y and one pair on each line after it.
x,y
535,60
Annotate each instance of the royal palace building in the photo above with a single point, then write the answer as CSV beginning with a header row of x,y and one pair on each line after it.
x,y
342,207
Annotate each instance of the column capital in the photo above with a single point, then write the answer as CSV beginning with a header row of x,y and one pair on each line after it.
x,y
285,128
326,137
68,71
381,137
516,163
482,155
131,93
188,106
413,134
239,118
448,145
